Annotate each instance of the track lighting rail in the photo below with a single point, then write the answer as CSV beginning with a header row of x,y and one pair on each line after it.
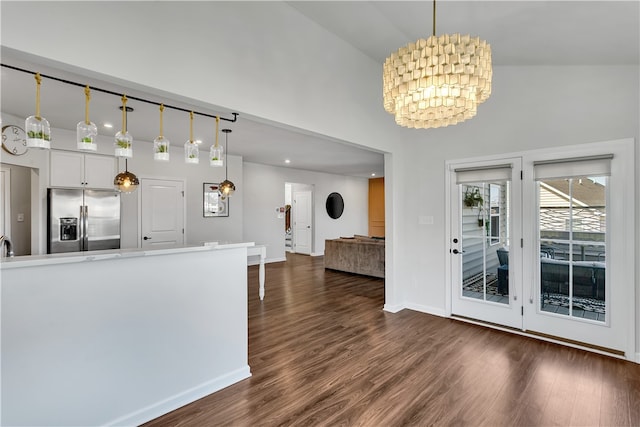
x,y
232,120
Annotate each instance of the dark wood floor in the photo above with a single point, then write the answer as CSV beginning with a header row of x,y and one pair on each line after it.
x,y
322,352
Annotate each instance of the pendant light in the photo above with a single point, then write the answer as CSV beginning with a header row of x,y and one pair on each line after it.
x,y
86,131
126,181
226,188
215,154
37,127
191,152
123,139
161,144
438,81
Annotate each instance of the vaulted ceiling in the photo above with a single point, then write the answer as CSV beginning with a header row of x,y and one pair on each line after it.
x,y
521,33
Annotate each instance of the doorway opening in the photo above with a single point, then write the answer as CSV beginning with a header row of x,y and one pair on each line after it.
x,y
298,231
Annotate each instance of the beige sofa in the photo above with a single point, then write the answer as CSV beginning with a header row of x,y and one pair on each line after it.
x,y
358,254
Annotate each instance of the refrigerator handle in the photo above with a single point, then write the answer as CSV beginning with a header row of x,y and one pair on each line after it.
x,y
85,235
81,228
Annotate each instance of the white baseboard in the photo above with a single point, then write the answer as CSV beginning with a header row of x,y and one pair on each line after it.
x,y
427,309
638,358
393,308
317,253
183,398
266,261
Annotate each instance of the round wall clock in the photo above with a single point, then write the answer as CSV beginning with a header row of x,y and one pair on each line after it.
x,y
14,140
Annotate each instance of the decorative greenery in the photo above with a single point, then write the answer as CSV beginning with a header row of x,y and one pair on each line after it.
x,y
162,149
472,198
38,135
192,156
214,158
123,143
87,139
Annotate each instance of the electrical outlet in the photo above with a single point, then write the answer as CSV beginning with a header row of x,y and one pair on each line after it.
x,y
20,217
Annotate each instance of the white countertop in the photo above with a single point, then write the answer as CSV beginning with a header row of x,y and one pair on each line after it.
x,y
75,257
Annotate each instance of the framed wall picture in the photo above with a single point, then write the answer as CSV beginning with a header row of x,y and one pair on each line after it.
x,y
213,205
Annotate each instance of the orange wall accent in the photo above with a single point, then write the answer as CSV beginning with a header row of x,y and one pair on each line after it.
x,y
376,207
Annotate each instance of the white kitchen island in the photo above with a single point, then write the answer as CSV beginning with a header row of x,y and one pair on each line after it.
x,y
120,337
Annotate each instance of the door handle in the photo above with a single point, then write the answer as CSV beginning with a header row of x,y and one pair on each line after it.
x,y
146,238
456,252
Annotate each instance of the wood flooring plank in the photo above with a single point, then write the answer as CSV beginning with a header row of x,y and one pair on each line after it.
x,y
322,352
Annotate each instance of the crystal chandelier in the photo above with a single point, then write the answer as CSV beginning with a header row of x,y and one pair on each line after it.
x,y
438,81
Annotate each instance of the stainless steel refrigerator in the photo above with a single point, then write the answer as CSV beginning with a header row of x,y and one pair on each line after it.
x,y
82,220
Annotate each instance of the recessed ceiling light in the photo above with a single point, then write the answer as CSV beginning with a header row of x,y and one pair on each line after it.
x,y
287,161
108,125
198,141
373,174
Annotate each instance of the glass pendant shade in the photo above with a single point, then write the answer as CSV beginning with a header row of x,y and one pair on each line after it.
x,y
126,182
161,149
123,140
226,188
86,131
191,152
161,144
38,132
37,127
86,134
215,156
122,145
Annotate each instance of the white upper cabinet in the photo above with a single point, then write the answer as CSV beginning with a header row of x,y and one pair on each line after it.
x,y
78,170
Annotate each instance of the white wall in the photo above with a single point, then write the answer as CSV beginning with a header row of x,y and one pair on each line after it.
x,y
265,191
525,112
122,340
269,42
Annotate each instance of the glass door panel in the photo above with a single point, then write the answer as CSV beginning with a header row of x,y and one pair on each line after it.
x,y
484,232
572,234
485,272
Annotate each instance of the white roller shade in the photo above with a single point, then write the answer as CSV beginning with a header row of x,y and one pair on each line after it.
x,y
483,174
569,168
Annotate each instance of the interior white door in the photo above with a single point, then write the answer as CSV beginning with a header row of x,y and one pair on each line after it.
x,y
302,222
161,212
485,262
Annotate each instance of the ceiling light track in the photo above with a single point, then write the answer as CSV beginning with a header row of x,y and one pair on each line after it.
x,y
232,120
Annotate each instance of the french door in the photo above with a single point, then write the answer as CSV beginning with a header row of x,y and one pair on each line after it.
x,y
485,241
580,268
540,243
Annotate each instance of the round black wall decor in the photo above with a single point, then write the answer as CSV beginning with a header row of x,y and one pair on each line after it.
x,y
335,205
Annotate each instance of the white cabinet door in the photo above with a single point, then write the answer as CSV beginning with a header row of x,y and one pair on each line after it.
x,y
77,170
99,171
66,169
